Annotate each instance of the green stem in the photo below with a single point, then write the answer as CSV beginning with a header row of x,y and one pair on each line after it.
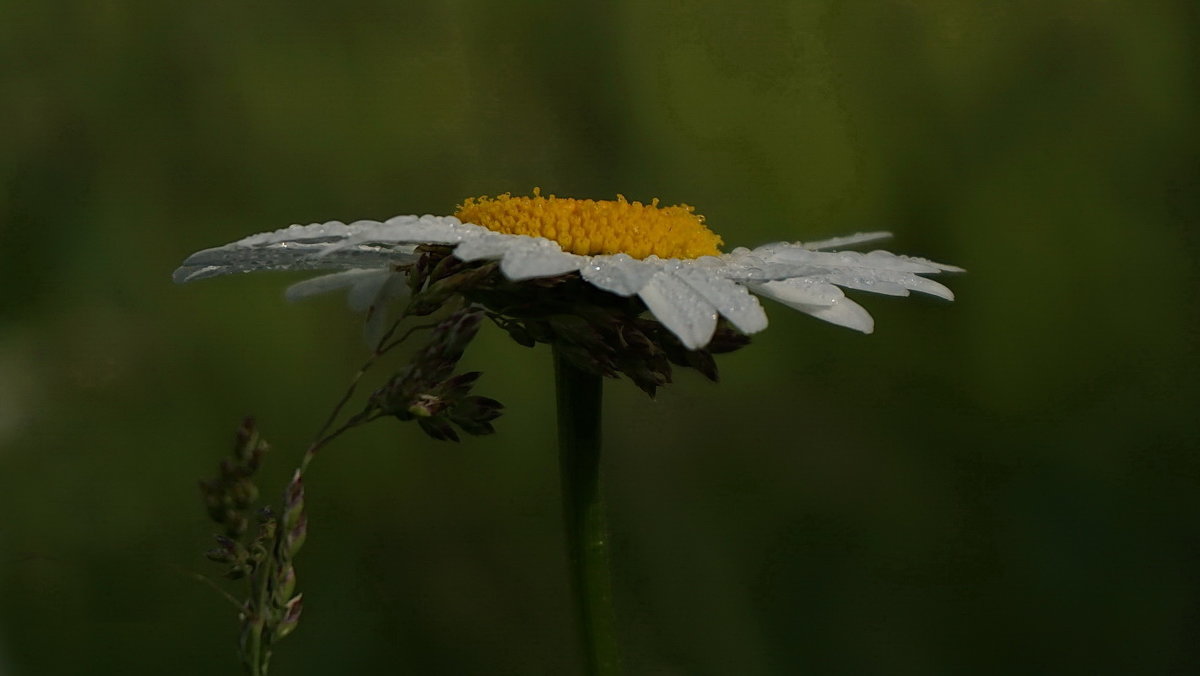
x,y
578,396
254,654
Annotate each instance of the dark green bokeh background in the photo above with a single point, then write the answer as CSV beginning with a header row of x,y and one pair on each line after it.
x,y
1007,484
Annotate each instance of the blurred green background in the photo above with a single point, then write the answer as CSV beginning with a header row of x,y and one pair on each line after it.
x,y
1006,484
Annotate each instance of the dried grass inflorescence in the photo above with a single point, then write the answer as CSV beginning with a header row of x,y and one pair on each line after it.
x,y
271,608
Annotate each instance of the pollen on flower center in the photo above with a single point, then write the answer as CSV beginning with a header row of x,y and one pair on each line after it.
x,y
591,227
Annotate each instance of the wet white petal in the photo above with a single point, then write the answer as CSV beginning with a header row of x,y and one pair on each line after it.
x,y
298,247
819,299
332,282
933,264
419,228
367,291
800,291
620,273
328,231
367,288
489,246
285,256
191,273
729,298
928,286
847,240
407,229
520,257
844,312
869,283
744,265
537,257
680,308
888,282
378,306
833,260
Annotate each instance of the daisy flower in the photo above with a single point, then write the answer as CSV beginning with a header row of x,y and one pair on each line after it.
x,y
577,274
665,256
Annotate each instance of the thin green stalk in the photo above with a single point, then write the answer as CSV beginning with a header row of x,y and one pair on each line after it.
x,y
578,398
256,654
256,651
382,348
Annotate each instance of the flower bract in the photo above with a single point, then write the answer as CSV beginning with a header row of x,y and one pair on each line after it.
x,y
665,256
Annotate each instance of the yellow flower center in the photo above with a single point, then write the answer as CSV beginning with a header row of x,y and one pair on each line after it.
x,y
591,227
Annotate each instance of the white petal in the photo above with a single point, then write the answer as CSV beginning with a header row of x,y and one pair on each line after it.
x,y
844,312
729,298
538,257
294,239
819,299
407,229
927,286
394,286
326,283
521,257
619,273
680,308
943,267
840,260
847,240
328,231
229,260
191,273
427,228
490,246
877,272
886,282
748,266
800,291
299,247
367,291
870,283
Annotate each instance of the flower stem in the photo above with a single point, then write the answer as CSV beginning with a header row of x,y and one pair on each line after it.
x,y
578,398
